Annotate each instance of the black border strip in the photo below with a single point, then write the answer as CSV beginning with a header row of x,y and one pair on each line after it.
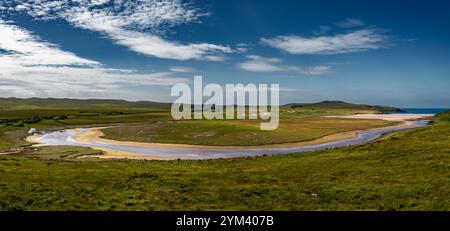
x,y
282,220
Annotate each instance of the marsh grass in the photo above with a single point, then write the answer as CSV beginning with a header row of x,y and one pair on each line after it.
x,y
239,132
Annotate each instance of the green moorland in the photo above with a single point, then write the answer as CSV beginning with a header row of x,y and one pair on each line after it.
x,y
298,122
221,132
18,115
151,122
407,170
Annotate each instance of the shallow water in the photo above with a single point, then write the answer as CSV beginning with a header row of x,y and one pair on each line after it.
x,y
423,110
65,138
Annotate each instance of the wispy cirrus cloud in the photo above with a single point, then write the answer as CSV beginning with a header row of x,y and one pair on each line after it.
x,y
355,41
22,48
33,67
314,70
260,64
138,25
256,63
322,30
182,69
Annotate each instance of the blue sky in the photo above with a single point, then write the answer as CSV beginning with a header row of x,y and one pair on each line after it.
x,y
376,52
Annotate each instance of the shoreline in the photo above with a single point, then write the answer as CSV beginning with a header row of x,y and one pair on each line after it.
x,y
92,138
388,117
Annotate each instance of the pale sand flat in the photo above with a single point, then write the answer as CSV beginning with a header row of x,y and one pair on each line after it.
x,y
115,154
387,117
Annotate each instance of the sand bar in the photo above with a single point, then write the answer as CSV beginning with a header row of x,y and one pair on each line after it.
x,y
387,117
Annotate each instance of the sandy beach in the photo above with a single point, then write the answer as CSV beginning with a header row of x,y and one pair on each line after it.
x,y
387,117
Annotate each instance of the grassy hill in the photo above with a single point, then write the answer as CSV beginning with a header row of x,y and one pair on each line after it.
x,y
444,116
14,104
344,105
47,113
9,104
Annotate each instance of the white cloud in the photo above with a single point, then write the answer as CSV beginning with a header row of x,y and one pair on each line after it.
x,y
256,63
350,22
137,25
182,69
215,58
242,47
24,48
47,81
360,40
260,64
99,2
315,70
33,67
155,46
140,14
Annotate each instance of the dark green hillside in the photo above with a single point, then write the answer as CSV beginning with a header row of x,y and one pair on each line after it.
x,y
79,104
344,105
444,116
47,113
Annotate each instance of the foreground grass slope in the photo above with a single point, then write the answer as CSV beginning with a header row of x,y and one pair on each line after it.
x,y
11,138
406,171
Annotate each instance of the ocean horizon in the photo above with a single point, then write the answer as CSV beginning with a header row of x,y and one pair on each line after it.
x,y
423,110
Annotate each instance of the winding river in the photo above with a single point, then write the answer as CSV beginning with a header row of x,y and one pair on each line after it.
x,y
167,151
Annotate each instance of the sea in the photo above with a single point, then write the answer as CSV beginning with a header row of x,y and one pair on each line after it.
x,y
423,110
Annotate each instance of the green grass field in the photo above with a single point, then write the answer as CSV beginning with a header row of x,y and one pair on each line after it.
x,y
225,132
407,170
